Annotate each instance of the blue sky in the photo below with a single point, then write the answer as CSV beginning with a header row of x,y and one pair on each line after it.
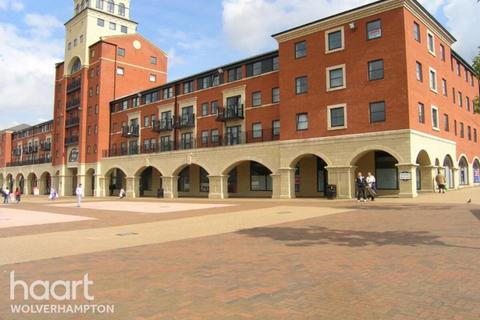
x,y
197,35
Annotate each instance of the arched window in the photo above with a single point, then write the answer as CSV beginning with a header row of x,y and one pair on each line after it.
x,y
111,6
76,65
121,9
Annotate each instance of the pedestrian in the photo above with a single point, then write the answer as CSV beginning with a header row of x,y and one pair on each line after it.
x,y
4,195
79,194
53,194
18,195
360,183
122,194
371,185
441,182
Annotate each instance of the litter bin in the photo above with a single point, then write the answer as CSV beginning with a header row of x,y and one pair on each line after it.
x,y
331,191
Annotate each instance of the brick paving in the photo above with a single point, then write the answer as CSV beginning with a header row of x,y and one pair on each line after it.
x,y
385,260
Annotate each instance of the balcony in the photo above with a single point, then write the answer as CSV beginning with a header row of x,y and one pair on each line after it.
x,y
29,162
74,85
185,121
72,104
131,131
73,122
47,146
235,112
164,125
30,149
71,140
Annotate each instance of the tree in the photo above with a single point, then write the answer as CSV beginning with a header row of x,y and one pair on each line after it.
x,y
476,67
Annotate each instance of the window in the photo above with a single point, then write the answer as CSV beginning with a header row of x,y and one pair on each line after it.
x,y
300,49
337,117
100,22
421,113
214,107
121,10
257,99
81,38
260,177
69,46
121,52
336,78
334,40
99,4
453,95
433,80
276,128
469,133
375,70
431,42
475,135
435,118
235,74
215,135
135,102
302,121
275,64
152,78
468,103
419,71
442,52
188,87
301,85
374,29
275,95
416,32
257,130
124,29
110,6
377,112
120,71
205,109
455,127
146,121
112,26
263,66
75,42
444,87
257,68
153,60
205,137
167,93
96,109
462,130
460,99
446,122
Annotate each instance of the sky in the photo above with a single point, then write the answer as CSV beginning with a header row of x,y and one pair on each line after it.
x,y
197,35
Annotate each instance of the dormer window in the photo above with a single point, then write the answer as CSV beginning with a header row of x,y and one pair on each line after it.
x,y
111,6
121,9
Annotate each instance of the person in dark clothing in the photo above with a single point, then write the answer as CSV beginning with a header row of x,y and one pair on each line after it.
x,y
18,195
361,184
4,195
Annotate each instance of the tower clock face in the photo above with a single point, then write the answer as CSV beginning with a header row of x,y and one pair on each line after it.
x,y
73,157
137,44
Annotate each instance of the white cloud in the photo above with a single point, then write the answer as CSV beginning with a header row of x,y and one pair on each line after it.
x,y
14,5
432,5
27,67
42,25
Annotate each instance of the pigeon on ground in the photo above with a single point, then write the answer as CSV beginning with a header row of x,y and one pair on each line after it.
x,y
469,201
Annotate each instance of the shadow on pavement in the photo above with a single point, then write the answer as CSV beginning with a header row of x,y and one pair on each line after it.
x,y
315,235
476,214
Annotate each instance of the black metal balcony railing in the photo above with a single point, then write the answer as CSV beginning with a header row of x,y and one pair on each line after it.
x,y
74,85
163,125
186,144
235,112
47,146
17,152
30,162
130,131
30,149
72,122
73,103
71,140
185,121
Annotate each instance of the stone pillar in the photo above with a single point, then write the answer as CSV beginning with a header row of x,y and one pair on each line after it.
x,y
408,188
81,179
170,187
283,184
218,187
427,175
65,186
133,185
344,179
100,186
456,178
470,175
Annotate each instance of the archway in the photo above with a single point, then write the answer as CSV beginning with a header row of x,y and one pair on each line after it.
x,y
193,181
33,183
71,181
20,183
463,171
10,183
476,171
115,180
249,179
311,176
75,65
448,171
45,183
425,174
150,182
384,166
90,183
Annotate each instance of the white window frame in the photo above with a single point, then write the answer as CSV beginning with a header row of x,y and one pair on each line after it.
x,y
152,78
329,119
120,71
430,70
342,29
429,33
436,128
344,71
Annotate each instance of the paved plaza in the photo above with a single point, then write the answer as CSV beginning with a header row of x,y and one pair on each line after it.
x,y
251,259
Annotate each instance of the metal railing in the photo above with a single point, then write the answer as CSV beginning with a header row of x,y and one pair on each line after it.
x,y
73,103
71,140
130,131
235,112
74,85
72,122
163,125
21,163
47,146
185,121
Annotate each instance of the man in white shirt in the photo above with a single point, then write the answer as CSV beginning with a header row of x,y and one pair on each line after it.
x,y
79,194
371,193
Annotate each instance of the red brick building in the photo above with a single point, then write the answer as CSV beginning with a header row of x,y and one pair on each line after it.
x,y
377,88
